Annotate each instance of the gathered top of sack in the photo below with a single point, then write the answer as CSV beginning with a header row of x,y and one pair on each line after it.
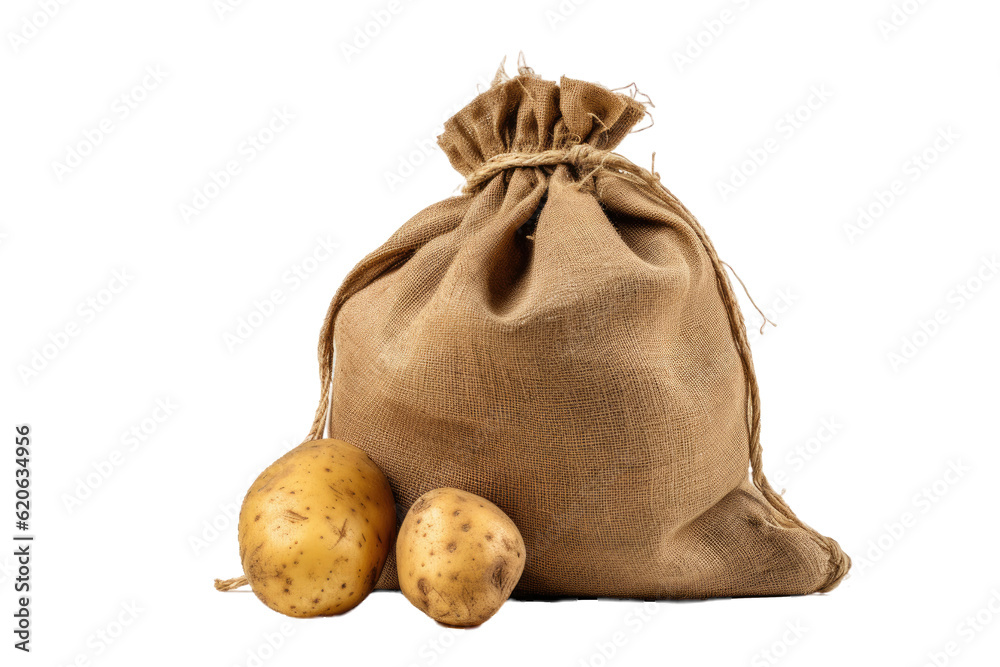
x,y
527,114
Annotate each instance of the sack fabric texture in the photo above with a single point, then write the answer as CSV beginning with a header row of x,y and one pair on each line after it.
x,y
563,340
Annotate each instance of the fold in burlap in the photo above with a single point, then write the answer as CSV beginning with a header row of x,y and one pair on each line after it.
x,y
587,372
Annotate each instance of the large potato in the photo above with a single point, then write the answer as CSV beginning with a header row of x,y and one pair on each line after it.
x,y
458,557
315,529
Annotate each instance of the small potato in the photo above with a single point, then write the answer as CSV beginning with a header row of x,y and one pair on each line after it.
x,y
315,529
458,557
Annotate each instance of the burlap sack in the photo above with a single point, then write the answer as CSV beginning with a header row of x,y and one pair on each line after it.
x,y
563,340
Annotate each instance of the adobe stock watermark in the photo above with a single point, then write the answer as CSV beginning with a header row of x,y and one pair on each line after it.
x,y
248,150
635,621
785,128
966,632
223,8
101,640
227,515
32,24
292,279
775,652
922,503
710,31
410,161
803,453
911,171
87,311
377,22
434,649
955,301
131,441
560,12
899,15
269,645
782,303
121,109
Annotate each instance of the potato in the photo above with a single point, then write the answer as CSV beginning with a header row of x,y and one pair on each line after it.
x,y
315,529
458,557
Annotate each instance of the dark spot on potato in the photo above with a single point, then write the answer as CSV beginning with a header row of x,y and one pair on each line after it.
x,y
452,546
343,585
419,505
499,574
423,586
466,527
342,532
489,537
456,512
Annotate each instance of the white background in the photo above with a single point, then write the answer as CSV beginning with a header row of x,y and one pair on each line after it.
x,y
844,303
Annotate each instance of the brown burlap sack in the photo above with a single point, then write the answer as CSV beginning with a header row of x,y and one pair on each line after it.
x,y
563,340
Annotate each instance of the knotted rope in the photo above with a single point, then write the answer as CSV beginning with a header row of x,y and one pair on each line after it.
x,y
584,157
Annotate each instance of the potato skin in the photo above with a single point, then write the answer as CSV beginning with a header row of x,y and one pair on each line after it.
x,y
315,529
458,557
